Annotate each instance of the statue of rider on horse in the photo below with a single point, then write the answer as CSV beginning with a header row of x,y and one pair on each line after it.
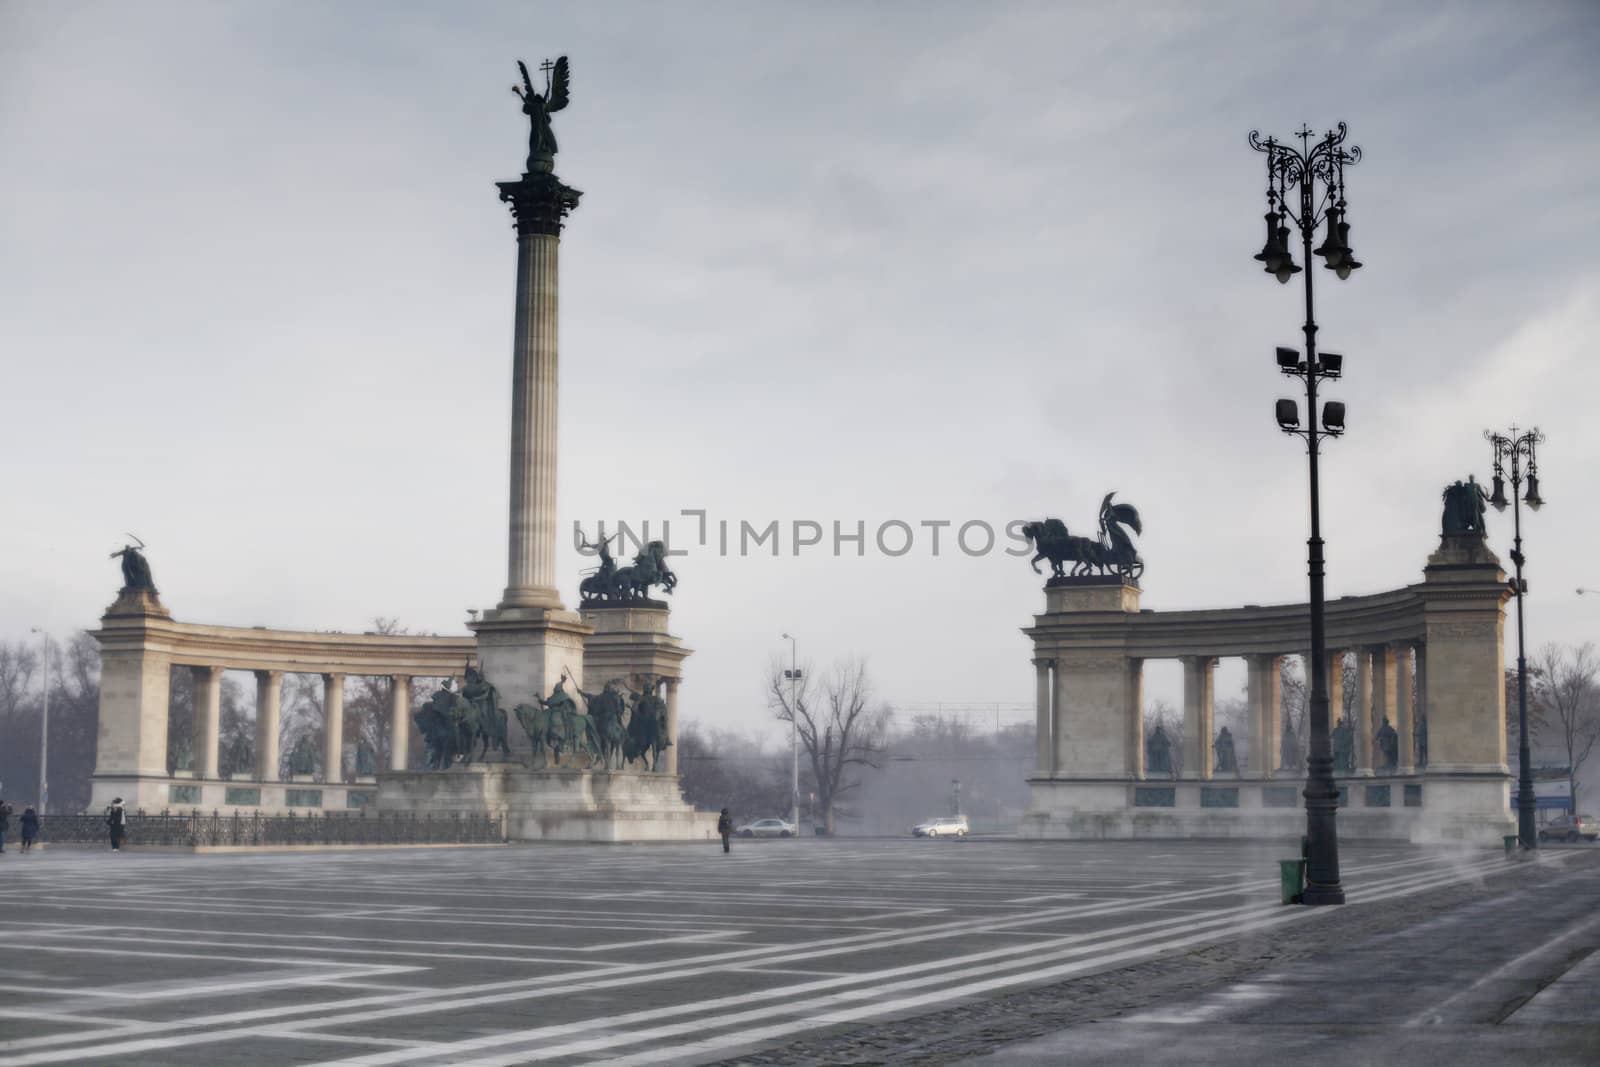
x,y
1113,552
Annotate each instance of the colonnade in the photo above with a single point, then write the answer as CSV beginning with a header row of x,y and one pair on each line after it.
x,y
1384,681
207,681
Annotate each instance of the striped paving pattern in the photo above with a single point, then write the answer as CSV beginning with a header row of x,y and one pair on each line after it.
x,y
623,955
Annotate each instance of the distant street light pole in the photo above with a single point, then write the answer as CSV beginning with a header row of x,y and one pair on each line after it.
x,y
793,674
1513,447
1317,171
44,728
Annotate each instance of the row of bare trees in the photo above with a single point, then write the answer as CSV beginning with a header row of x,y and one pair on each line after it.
x,y
1563,709
74,682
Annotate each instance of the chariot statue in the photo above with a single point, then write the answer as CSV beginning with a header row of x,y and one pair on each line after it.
x,y
631,583
1111,552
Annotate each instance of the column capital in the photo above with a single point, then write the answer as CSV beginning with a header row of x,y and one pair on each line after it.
x,y
540,203
207,671
329,677
268,676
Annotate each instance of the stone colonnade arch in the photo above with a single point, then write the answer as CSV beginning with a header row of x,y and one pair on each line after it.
x,y
1091,643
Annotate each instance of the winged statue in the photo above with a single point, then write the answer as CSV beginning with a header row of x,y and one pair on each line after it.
x,y
538,107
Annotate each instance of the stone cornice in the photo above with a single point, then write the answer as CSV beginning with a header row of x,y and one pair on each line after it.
x,y
289,651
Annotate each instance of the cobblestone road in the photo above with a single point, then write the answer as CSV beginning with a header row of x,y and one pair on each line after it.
x,y
784,951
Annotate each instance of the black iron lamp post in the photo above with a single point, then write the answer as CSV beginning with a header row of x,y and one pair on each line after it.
x,y
1513,447
1316,172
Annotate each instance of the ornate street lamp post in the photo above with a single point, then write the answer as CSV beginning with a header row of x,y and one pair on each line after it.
x,y
1316,171
1513,446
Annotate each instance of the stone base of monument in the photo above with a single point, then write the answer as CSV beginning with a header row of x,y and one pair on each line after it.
x,y
556,804
1428,808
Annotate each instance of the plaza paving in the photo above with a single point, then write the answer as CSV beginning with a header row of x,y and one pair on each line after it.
x,y
677,953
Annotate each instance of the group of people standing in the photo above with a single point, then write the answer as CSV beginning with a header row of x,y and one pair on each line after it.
x,y
29,826
116,823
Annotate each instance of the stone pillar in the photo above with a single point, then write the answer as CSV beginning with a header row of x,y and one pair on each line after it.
x,y
1383,696
333,727
207,721
1401,655
1197,717
1041,719
540,202
399,722
669,756
1135,718
1361,712
1263,694
1061,755
130,757
1419,709
269,701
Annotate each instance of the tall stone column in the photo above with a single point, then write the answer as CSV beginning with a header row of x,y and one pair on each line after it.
x,y
207,720
669,757
1419,725
1041,718
1363,712
1383,696
1134,742
269,703
399,722
1402,708
540,202
1262,688
333,727
1060,750
1197,715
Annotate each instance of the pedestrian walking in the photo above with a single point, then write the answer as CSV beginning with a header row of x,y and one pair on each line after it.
x,y
5,823
30,829
117,823
725,828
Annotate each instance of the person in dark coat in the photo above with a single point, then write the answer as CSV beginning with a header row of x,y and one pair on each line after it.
x,y
5,823
725,828
30,828
117,823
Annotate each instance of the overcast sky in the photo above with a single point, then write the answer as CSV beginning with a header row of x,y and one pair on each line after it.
x,y
834,262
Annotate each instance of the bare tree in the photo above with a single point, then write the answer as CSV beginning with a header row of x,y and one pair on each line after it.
x,y
1569,699
18,663
841,727
1292,696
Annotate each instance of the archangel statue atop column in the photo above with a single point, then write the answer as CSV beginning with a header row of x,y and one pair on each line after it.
x,y
538,106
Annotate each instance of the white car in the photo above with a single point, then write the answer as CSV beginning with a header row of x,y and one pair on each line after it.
x,y
767,828
948,826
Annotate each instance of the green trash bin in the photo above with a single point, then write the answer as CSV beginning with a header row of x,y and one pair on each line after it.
x,y
1293,873
1511,844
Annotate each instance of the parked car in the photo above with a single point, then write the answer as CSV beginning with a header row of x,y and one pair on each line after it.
x,y
767,828
1570,828
947,826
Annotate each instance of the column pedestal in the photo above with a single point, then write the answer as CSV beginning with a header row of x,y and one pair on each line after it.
x,y
523,653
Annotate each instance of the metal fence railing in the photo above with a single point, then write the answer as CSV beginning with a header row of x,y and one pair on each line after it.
x,y
196,828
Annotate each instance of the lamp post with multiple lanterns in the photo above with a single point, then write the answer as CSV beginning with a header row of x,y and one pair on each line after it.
x,y
1316,173
1511,448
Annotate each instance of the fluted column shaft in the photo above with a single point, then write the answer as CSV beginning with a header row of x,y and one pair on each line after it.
x,y
269,702
530,580
333,727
